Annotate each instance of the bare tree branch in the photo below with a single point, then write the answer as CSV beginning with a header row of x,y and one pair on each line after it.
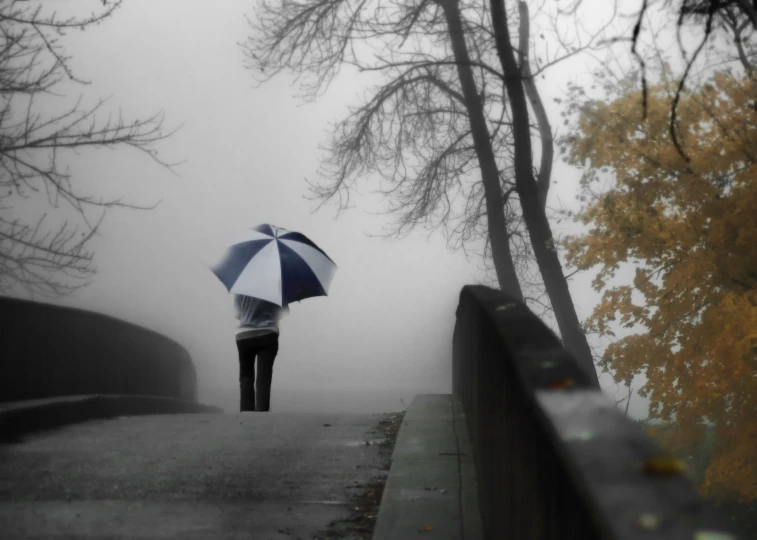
x,y
46,257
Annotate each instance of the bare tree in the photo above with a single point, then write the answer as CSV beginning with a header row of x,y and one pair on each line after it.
x,y
432,131
537,296
51,255
534,213
436,123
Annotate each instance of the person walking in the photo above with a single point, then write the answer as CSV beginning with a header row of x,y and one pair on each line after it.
x,y
266,268
257,337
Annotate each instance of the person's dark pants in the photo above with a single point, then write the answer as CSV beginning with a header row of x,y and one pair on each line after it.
x,y
264,348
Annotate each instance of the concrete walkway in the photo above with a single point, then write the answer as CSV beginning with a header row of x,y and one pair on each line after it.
x,y
256,476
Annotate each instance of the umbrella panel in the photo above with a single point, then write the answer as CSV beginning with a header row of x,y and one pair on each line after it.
x,y
302,239
235,260
299,280
265,228
262,276
323,267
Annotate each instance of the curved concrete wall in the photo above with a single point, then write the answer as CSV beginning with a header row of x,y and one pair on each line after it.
x,y
48,350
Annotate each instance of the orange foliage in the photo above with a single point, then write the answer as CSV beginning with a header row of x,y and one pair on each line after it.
x,y
690,230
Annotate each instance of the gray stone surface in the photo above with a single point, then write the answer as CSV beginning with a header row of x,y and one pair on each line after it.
x,y
244,475
431,491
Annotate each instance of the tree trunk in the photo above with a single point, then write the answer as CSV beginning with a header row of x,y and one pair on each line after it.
x,y
533,212
545,130
495,212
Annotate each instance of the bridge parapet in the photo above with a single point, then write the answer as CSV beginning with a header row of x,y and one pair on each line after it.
x,y
48,350
554,457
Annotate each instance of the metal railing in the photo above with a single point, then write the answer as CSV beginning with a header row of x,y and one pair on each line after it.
x,y
555,458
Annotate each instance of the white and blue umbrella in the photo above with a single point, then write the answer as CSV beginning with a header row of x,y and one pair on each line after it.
x,y
276,265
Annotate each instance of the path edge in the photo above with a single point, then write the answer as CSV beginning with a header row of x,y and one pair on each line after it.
x,y
22,418
431,491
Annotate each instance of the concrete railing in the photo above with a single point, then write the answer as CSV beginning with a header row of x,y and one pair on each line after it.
x,y
554,457
48,351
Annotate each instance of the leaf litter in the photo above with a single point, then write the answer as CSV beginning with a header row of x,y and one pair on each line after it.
x,y
365,499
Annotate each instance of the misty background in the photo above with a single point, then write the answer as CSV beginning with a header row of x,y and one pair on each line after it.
x,y
383,334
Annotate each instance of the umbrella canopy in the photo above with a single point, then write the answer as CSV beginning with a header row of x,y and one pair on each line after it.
x,y
276,265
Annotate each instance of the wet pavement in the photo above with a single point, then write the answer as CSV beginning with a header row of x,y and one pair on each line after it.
x,y
244,475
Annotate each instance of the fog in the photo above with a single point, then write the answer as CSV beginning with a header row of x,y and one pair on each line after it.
x,y
382,335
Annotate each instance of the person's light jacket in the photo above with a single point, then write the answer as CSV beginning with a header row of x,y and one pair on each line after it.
x,y
257,317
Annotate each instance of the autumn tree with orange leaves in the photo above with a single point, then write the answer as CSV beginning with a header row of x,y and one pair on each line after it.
x,y
688,230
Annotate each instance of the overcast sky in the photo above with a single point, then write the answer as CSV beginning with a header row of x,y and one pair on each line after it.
x,y
383,334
